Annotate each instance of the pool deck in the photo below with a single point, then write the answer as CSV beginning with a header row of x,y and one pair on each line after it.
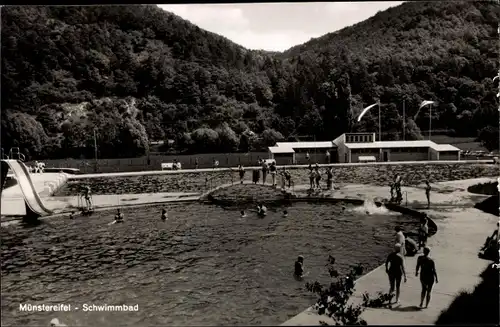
x,y
12,200
462,231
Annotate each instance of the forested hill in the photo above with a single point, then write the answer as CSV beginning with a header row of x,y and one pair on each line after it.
x,y
137,74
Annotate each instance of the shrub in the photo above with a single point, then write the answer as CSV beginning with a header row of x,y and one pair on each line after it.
x,y
333,299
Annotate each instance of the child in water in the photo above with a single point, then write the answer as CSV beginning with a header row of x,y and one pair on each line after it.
x,y
285,213
242,214
164,215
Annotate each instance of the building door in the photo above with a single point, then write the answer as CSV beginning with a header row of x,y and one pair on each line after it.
x,y
386,156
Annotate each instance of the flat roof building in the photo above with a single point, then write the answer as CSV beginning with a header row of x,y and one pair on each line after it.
x,y
361,147
352,146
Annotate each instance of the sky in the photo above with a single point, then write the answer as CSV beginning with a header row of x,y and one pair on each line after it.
x,y
276,26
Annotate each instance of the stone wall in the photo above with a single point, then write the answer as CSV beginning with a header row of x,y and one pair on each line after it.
x,y
202,181
413,174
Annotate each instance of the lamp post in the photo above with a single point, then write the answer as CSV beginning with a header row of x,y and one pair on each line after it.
x,y
95,150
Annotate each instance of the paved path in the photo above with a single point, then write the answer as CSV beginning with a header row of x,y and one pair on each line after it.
x,y
461,233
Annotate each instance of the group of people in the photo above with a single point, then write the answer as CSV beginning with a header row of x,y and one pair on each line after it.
x,y
397,195
266,169
38,167
315,177
395,264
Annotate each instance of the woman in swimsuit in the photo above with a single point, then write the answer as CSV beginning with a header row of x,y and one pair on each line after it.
x,y
428,276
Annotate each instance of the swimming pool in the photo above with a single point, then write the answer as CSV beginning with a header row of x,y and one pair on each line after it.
x,y
203,266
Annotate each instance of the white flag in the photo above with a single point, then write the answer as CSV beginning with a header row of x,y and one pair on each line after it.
x,y
365,111
425,102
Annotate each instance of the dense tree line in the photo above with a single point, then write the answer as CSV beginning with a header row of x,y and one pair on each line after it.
x,y
134,74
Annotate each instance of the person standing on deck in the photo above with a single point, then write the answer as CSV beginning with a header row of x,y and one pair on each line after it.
x,y
241,171
428,276
395,269
428,193
329,177
400,239
272,170
288,177
264,172
196,163
317,177
312,175
307,156
423,232
327,155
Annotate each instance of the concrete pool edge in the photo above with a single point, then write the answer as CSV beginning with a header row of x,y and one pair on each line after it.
x,y
309,314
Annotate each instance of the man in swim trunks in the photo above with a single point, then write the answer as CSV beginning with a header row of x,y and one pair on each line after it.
x,y
428,193
272,170
428,276
241,171
299,267
317,177
164,214
423,233
288,177
312,175
395,269
400,239
88,197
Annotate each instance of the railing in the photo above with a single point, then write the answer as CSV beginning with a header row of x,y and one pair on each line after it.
x,y
219,178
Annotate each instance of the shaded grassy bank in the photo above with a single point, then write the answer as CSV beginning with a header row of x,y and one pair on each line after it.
x,y
481,307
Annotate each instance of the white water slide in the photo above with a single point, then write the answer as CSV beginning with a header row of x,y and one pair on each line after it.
x,y
31,197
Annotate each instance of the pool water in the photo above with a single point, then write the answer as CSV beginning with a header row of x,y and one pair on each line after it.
x,y
204,266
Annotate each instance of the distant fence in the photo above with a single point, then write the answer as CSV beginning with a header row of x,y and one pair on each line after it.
x,y
140,164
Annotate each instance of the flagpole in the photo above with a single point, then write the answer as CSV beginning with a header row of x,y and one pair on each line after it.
x,y
430,121
379,124
404,123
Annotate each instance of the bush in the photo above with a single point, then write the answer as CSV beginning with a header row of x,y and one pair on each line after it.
x,y
333,299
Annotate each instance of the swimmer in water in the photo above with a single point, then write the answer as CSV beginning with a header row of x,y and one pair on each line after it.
x,y
261,210
242,214
299,267
285,213
118,216
72,215
164,214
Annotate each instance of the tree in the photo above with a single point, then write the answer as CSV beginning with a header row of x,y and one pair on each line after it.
x,y
228,140
269,138
205,140
23,131
489,137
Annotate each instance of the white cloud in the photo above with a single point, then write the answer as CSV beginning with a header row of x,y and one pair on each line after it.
x,y
276,26
272,41
215,18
